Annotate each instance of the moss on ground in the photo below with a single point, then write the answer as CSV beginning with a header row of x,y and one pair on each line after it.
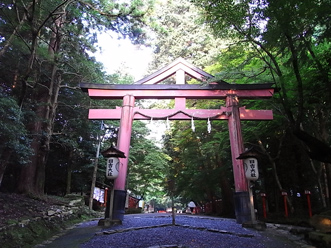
x,y
37,231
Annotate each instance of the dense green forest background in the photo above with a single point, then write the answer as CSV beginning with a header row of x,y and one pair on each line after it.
x,y
48,146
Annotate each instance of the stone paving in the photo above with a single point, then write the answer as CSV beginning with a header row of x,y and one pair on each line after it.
x,y
90,235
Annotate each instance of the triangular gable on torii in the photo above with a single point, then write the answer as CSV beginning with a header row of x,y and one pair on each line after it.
x,y
149,88
180,67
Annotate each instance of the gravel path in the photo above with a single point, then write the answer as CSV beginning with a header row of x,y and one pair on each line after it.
x,y
155,230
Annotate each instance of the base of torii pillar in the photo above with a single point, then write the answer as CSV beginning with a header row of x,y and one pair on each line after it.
x,y
115,209
242,207
119,204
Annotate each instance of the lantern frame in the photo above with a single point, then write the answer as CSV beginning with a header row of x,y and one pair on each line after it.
x,y
113,162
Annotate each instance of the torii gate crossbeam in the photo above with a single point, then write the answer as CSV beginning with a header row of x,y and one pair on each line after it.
x,y
232,113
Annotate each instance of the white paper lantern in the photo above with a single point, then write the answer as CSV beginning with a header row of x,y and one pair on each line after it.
x,y
112,170
251,169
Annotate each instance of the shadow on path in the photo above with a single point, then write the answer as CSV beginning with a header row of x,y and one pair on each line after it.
x,y
73,237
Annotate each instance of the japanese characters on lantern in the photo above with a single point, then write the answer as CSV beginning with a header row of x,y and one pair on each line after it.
x,y
251,169
112,167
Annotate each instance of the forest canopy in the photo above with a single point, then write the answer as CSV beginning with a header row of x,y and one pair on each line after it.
x,y
48,144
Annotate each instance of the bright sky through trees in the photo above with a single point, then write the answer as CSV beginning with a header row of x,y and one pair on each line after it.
x,y
121,55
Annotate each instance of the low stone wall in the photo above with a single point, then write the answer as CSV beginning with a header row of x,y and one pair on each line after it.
x,y
29,232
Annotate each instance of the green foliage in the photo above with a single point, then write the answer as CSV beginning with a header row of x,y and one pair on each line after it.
x,y
269,41
13,134
197,159
177,33
148,165
45,53
240,65
280,42
284,42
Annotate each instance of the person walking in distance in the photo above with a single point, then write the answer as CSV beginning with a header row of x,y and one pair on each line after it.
x,y
192,206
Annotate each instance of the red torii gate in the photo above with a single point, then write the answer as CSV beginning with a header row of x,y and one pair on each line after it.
x,y
148,88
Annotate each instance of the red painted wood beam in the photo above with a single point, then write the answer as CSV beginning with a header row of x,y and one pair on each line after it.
x,y
180,114
171,94
124,138
237,145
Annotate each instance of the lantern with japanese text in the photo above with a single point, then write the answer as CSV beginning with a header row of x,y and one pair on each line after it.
x,y
249,158
113,161
251,168
112,170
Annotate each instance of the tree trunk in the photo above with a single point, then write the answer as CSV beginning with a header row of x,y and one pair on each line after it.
x,y
45,95
3,164
227,196
274,167
32,177
26,183
68,188
69,173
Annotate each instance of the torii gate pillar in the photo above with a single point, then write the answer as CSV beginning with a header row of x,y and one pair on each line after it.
x,y
123,144
147,88
241,195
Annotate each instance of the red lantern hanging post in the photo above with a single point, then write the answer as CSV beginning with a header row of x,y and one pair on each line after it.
x,y
284,194
263,195
307,192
